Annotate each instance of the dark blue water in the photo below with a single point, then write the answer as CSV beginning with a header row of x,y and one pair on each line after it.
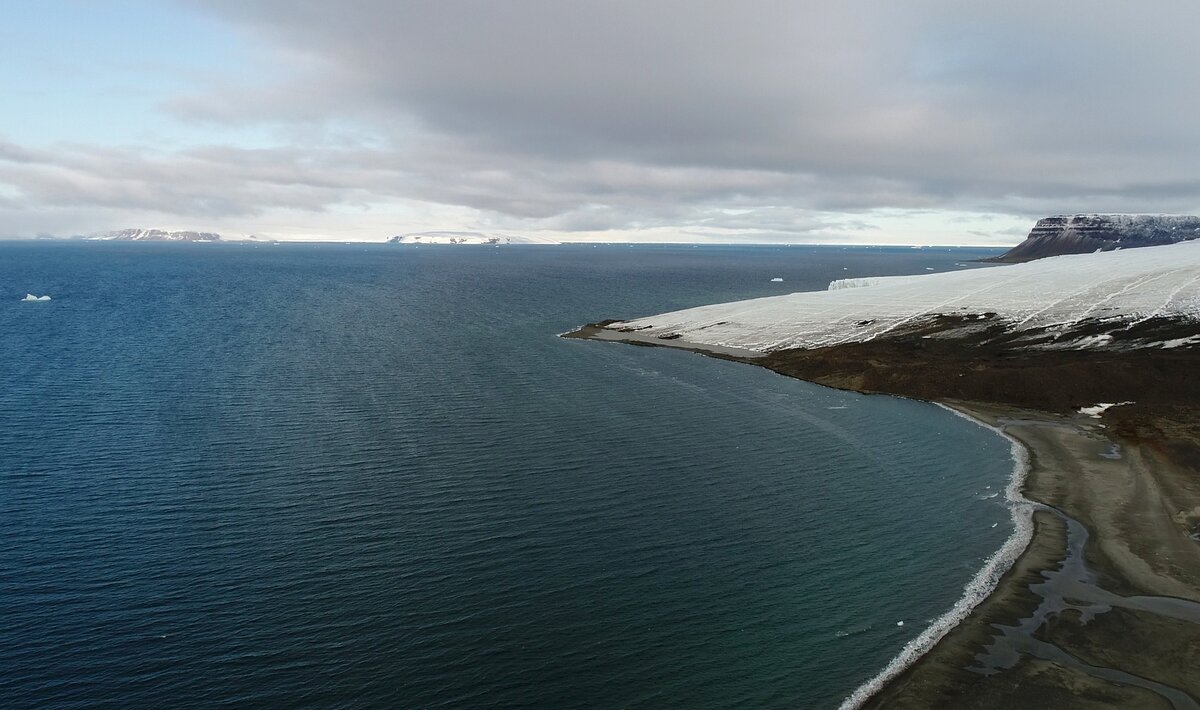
x,y
362,476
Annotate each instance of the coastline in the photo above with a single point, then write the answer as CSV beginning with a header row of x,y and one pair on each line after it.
x,y
1054,632
983,585
1104,571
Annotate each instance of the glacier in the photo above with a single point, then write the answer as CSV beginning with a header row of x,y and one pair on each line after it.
x,y
1055,294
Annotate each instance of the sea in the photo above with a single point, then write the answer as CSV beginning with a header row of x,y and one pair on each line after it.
x,y
349,475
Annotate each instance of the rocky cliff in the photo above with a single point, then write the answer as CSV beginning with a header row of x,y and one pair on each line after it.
x,y
1087,233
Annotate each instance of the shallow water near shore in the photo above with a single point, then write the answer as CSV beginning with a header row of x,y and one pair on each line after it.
x,y
362,475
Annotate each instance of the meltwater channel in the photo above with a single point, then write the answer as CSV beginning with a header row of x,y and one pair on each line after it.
x,y
369,475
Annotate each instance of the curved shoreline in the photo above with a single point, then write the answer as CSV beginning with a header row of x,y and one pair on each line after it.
x,y
1101,609
1137,489
980,587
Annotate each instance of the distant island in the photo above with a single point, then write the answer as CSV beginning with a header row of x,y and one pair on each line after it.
x,y
466,238
156,235
1087,233
1089,362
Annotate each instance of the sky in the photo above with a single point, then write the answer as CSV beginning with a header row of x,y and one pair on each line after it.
x,y
651,120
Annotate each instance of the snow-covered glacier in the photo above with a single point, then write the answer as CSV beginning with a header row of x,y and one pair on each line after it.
x,y
1055,295
157,235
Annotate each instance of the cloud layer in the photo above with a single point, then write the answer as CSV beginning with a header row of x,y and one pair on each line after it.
x,y
776,119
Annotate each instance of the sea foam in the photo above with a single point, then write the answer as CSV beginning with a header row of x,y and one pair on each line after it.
x,y
980,586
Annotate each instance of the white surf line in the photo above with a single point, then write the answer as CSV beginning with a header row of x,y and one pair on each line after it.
x,y
981,585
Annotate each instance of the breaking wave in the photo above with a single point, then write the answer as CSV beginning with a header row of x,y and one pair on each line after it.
x,y
980,586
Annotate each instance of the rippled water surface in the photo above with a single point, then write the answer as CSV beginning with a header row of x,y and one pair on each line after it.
x,y
352,476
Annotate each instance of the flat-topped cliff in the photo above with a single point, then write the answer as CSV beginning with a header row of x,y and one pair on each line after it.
x,y
158,235
1087,233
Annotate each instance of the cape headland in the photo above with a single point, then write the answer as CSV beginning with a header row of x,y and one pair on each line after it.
x,y
1086,233
1088,362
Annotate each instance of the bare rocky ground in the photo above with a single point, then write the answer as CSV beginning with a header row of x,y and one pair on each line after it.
x,y
1141,505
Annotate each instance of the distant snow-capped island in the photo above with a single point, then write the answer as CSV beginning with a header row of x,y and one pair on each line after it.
x,y
466,238
156,235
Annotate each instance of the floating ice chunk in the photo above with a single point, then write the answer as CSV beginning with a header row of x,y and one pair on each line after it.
x,y
776,280
31,297
1099,408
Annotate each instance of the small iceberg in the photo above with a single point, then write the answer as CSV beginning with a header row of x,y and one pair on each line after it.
x,y
776,280
31,297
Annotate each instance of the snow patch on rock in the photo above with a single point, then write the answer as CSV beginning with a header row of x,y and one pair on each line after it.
x,y
1098,410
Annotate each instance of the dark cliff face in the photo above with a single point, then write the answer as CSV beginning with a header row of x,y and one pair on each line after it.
x,y
1087,233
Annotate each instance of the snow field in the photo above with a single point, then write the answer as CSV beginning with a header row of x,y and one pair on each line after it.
x,y
1130,285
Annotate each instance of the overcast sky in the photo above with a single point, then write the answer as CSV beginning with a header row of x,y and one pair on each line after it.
x,y
908,122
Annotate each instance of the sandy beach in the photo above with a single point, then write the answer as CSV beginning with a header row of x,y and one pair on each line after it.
x,y
1118,629
1102,609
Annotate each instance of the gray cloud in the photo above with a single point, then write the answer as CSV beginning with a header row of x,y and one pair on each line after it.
x,y
769,117
930,103
202,182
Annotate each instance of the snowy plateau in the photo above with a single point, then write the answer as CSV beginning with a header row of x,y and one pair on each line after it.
x,y
466,238
157,235
1084,301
